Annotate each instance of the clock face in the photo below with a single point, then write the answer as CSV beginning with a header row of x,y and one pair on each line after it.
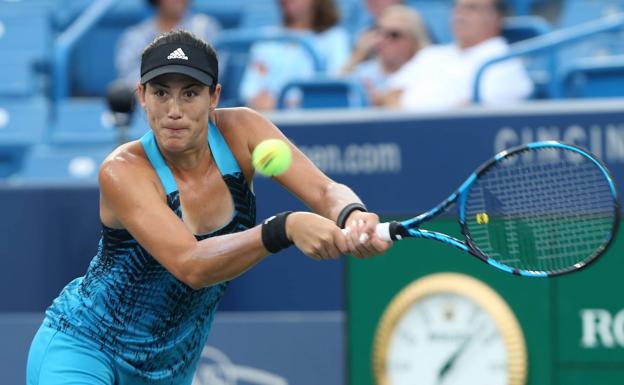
x,y
446,338
449,329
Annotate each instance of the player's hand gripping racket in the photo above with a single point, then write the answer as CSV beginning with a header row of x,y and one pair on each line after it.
x,y
538,210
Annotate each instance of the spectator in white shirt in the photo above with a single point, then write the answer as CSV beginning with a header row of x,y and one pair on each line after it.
x,y
400,34
442,77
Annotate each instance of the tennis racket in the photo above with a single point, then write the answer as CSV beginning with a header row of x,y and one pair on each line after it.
x,y
538,210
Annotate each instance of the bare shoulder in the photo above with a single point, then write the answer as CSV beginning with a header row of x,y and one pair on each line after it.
x,y
243,128
127,162
246,125
243,120
238,126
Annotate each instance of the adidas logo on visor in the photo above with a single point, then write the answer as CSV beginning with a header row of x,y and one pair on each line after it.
x,y
177,54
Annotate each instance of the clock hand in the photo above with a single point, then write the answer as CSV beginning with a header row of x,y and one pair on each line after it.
x,y
453,358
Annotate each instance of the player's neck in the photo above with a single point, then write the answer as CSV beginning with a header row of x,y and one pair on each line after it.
x,y
190,163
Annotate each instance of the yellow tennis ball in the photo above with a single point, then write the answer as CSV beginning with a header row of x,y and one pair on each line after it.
x,y
271,157
483,218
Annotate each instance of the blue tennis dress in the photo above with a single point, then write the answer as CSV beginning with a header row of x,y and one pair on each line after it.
x,y
131,308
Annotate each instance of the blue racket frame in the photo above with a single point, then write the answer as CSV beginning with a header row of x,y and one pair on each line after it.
x,y
410,228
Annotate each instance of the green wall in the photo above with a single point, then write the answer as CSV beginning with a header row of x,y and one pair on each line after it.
x,y
549,310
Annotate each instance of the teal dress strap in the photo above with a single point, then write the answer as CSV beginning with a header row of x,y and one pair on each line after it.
x,y
158,162
226,162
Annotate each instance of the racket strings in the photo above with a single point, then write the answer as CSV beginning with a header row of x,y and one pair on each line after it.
x,y
547,213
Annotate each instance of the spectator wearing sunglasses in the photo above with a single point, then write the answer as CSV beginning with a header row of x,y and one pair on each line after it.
x,y
399,35
442,77
366,37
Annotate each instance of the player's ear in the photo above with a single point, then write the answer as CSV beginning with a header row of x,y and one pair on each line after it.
x,y
214,97
141,93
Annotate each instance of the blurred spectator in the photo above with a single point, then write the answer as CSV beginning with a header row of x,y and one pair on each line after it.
x,y
442,77
373,11
399,35
169,15
272,64
365,34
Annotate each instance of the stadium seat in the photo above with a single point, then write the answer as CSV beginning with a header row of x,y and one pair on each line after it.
x,y
22,124
88,121
437,15
322,93
593,78
575,12
351,13
95,51
25,41
260,13
228,14
232,63
23,120
25,27
520,28
62,164
522,7
17,76
67,11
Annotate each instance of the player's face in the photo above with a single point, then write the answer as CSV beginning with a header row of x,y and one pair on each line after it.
x,y
475,21
178,109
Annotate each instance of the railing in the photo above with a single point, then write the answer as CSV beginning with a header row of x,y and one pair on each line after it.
x,y
547,42
67,41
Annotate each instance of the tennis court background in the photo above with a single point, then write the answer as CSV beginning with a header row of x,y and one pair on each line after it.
x,y
398,163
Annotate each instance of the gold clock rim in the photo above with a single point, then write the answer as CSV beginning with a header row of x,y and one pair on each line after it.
x,y
463,285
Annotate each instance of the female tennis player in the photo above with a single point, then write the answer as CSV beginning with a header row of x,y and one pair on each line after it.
x,y
178,220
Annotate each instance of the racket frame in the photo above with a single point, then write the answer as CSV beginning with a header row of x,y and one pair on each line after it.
x,y
411,227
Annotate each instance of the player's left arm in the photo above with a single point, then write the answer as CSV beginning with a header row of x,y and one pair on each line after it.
x,y
319,192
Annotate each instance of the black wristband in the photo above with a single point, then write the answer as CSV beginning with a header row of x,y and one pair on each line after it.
x,y
346,211
274,235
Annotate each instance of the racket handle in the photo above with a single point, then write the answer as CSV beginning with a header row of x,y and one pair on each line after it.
x,y
388,231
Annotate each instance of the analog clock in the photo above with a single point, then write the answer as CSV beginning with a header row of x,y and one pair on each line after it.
x,y
449,329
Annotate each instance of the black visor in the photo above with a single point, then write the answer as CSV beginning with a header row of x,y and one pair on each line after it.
x,y
180,58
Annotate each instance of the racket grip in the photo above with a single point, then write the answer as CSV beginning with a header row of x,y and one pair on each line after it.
x,y
387,231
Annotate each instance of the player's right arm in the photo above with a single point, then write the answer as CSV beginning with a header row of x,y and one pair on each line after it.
x,y
131,198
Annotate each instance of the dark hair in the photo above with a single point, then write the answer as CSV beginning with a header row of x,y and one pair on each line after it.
x,y
501,7
325,15
153,3
184,37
